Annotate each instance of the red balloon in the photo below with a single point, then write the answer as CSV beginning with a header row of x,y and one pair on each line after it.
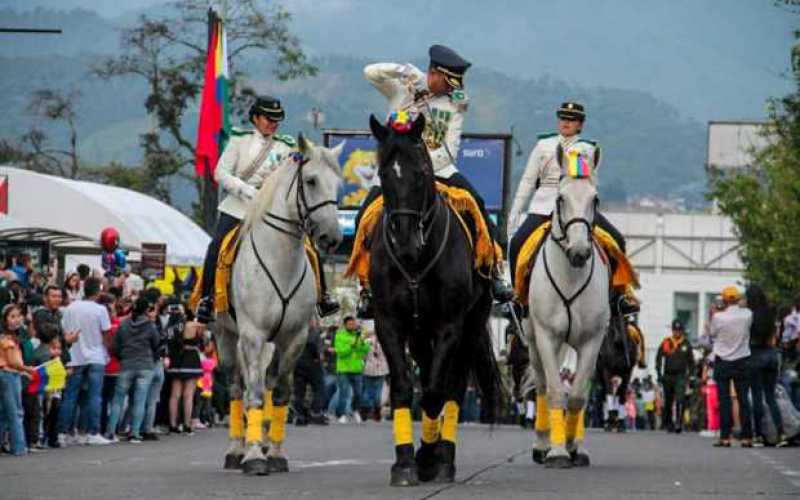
x,y
109,239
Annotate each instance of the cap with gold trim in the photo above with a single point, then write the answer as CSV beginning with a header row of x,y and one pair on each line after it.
x,y
446,61
571,111
268,106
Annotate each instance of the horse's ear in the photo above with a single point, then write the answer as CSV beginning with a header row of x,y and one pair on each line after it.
x,y
303,145
418,127
337,150
378,130
560,156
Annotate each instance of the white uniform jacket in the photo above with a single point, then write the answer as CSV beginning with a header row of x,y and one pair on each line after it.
x,y
238,173
444,114
539,183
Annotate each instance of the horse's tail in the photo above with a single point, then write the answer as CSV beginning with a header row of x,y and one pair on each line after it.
x,y
487,375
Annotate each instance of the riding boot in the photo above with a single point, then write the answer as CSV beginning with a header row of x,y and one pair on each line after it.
x,y
501,290
628,303
365,309
205,310
327,305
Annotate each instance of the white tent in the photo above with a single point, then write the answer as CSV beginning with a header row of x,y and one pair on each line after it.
x,y
75,212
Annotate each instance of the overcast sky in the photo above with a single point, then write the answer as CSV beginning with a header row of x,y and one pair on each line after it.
x,y
712,59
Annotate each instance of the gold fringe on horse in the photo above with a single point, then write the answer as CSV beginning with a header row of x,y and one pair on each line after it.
x,y
486,251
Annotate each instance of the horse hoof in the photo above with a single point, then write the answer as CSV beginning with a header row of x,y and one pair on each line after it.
x,y
277,464
558,462
427,465
538,455
447,474
580,459
255,467
233,461
404,476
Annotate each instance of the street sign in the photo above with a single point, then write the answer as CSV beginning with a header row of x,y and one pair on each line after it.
x,y
154,260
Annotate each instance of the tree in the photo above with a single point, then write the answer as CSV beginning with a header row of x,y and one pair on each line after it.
x,y
169,53
764,201
34,151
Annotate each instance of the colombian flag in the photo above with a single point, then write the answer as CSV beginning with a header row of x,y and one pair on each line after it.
x,y
214,127
49,377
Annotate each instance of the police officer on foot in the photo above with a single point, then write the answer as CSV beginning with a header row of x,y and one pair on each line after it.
x,y
674,366
250,157
439,95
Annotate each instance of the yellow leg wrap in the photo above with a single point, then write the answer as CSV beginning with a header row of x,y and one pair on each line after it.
x,y
267,406
575,428
254,433
557,427
430,429
450,424
403,432
277,428
236,430
542,415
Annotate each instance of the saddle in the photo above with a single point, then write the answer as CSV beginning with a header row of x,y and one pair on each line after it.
x,y
623,274
228,250
486,252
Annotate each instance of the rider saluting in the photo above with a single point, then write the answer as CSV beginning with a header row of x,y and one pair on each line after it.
x,y
440,96
250,157
539,184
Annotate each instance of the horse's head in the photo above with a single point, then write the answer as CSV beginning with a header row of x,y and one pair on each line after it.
x,y
576,205
407,181
318,179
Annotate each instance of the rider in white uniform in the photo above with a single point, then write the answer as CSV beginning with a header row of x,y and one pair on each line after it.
x,y
539,184
250,157
439,95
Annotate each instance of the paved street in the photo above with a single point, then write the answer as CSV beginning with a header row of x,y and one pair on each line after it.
x,y
352,463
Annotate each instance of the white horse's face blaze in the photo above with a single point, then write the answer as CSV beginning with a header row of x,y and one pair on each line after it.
x,y
577,201
320,183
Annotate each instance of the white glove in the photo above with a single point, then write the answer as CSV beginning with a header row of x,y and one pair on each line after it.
x,y
247,193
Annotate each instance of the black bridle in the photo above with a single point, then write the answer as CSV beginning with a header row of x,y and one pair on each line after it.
x,y
568,301
425,218
299,228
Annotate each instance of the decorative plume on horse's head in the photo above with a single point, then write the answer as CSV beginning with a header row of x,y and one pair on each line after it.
x,y
580,160
401,123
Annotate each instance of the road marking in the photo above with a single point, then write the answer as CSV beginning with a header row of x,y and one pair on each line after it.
x,y
783,469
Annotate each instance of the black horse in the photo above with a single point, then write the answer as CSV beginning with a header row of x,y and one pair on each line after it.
x,y
428,299
618,356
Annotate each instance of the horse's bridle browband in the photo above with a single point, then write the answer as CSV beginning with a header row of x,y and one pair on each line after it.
x,y
567,301
303,226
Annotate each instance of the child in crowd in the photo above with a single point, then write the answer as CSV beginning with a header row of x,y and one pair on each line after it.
x,y
206,384
630,410
12,368
49,348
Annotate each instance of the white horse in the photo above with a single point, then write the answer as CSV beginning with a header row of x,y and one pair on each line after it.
x,y
273,294
568,297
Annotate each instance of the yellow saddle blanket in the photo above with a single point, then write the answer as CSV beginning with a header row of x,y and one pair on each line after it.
x,y
624,275
228,250
485,250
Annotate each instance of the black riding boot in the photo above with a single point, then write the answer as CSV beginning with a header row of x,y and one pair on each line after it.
x,y
365,309
501,290
205,310
327,305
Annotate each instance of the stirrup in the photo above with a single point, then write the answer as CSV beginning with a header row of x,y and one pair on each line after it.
x,y
205,310
365,309
327,306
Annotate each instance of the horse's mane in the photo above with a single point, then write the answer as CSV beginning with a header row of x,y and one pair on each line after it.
x,y
263,200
